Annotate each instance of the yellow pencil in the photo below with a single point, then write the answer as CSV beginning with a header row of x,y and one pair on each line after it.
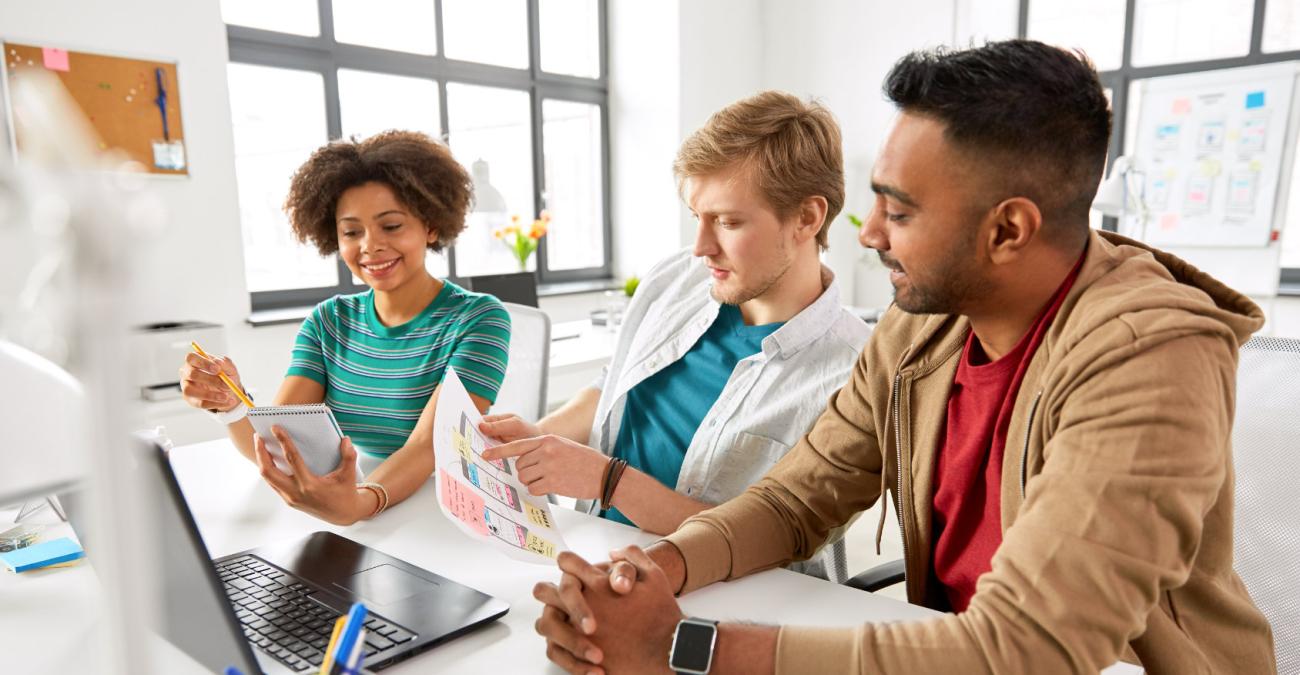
x,y
199,350
328,662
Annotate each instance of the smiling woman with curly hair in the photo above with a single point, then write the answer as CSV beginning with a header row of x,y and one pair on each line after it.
x,y
377,358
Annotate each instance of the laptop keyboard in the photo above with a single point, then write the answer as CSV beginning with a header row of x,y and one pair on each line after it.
x,y
276,615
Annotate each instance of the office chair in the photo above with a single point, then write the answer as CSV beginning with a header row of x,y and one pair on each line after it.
x,y
1266,543
523,392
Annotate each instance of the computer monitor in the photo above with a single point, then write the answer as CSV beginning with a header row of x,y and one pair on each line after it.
x,y
41,414
519,287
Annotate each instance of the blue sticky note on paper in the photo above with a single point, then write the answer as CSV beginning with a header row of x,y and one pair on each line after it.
x,y
42,555
1254,99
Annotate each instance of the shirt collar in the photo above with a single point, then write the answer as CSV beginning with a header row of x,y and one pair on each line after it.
x,y
809,324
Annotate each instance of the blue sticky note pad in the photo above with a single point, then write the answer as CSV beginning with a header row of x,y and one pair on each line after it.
x,y
41,555
1254,99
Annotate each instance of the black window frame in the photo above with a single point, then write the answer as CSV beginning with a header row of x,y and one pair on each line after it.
x,y
1118,81
324,55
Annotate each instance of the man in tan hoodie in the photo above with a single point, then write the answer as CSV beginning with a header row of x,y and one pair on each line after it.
x,y
1049,407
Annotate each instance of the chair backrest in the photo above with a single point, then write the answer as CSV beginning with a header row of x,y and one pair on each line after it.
x,y
1266,459
524,390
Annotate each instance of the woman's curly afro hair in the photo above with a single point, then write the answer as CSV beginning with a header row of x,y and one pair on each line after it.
x,y
419,170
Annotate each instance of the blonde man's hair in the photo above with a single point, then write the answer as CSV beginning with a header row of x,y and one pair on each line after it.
x,y
791,146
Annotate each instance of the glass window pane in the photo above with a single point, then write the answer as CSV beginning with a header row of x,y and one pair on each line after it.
x,y
1178,31
399,25
300,17
271,141
486,31
1281,25
1095,27
373,102
490,132
571,142
570,35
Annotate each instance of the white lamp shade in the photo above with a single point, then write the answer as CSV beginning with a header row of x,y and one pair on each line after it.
x,y
1113,199
1110,196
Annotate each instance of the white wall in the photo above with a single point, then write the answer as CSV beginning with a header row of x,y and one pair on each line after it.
x,y
644,97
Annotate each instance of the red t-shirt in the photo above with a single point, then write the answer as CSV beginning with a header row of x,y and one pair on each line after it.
x,y
968,479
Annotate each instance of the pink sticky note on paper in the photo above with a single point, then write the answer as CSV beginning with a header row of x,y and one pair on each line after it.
x,y
55,59
1182,106
1169,222
463,503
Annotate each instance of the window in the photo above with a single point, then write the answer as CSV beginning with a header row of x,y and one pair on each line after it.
x,y
1172,37
516,88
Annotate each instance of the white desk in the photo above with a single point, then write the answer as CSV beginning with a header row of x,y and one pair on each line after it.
x,y
55,609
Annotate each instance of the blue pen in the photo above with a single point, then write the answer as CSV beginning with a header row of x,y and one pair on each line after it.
x,y
356,618
162,102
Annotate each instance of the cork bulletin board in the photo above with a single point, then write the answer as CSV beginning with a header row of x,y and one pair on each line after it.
x,y
133,104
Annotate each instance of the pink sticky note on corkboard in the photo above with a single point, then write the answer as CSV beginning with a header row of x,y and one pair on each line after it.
x,y
55,59
463,503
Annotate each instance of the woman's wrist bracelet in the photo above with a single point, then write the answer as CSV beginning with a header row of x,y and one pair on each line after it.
x,y
381,496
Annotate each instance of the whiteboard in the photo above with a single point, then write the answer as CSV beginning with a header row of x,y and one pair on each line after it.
x,y
1216,150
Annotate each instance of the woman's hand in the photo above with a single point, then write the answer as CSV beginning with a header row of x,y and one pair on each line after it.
x,y
200,386
555,465
333,497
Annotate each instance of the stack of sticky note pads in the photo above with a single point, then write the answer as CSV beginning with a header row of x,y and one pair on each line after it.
x,y
56,552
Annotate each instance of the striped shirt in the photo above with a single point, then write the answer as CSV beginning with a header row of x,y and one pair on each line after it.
x,y
378,378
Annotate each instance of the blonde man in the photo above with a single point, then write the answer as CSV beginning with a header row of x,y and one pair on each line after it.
x,y
729,350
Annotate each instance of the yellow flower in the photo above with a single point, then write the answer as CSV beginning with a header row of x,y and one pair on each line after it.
x,y
515,219
499,234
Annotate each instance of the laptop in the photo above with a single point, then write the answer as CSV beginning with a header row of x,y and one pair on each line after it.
x,y
272,609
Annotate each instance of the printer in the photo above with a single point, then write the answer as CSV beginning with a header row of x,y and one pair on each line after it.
x,y
158,351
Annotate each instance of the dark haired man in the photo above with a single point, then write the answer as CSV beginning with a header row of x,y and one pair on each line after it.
x,y
1050,406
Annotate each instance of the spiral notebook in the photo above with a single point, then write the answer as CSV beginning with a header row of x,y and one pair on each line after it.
x,y
313,429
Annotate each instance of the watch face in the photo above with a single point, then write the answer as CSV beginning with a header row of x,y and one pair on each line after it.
x,y
693,647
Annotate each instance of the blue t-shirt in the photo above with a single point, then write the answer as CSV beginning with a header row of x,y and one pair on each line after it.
x,y
665,409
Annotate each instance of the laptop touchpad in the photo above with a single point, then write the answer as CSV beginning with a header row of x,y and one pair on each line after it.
x,y
385,584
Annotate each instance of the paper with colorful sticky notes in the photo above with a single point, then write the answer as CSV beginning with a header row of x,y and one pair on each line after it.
x,y
48,553
486,499
55,59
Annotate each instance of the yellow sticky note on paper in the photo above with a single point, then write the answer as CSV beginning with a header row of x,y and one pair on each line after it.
x,y
461,444
1211,167
537,516
540,546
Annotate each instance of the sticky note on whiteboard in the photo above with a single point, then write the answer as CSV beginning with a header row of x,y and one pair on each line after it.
x,y
1254,99
55,59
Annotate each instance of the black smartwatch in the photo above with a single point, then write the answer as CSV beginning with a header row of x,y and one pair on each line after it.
x,y
693,643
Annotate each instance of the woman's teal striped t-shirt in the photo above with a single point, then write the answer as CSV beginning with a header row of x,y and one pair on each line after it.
x,y
378,378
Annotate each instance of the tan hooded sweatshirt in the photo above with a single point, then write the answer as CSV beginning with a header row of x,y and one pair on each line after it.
x,y
1116,488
